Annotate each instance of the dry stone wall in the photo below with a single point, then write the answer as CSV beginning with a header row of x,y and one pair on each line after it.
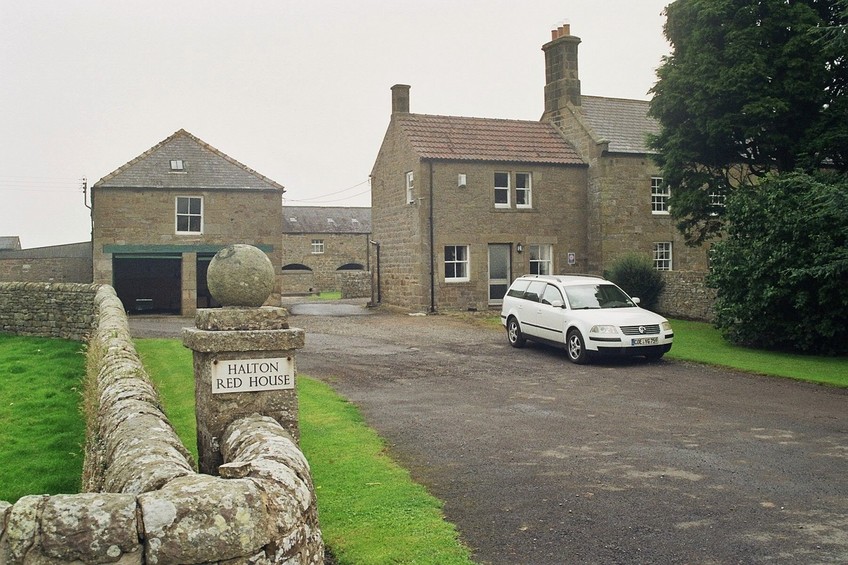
x,y
686,296
355,284
145,503
64,310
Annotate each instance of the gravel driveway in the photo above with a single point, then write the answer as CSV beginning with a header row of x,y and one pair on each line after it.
x,y
541,461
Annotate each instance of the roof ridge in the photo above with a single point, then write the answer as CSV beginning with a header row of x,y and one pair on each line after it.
x,y
472,118
183,133
616,98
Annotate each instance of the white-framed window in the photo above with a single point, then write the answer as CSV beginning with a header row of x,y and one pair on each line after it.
x,y
523,190
177,165
541,259
717,201
659,196
662,256
461,180
410,186
317,246
456,263
189,214
502,190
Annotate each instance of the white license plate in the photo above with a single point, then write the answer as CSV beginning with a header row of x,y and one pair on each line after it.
x,y
644,341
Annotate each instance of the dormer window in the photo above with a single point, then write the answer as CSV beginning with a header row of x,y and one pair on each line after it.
x,y
177,165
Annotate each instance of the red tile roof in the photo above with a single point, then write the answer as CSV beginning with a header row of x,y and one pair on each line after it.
x,y
486,139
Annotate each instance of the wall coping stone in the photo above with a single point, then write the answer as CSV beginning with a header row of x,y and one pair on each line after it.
x,y
146,504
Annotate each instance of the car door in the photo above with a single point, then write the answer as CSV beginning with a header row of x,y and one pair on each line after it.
x,y
529,313
550,315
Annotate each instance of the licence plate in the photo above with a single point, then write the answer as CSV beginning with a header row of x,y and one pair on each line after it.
x,y
644,341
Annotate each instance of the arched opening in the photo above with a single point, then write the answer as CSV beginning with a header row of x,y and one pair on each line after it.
x,y
296,267
351,267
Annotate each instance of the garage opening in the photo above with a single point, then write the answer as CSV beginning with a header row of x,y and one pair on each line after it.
x,y
204,297
148,285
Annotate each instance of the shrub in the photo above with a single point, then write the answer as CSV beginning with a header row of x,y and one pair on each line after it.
x,y
780,272
638,277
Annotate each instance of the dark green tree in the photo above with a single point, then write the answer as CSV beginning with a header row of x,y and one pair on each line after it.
x,y
781,271
751,87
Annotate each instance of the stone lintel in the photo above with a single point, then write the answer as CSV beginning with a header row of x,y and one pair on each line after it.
x,y
242,318
250,340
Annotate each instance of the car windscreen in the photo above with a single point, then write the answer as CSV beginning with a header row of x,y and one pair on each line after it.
x,y
591,296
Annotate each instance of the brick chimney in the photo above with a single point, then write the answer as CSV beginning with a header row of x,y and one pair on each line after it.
x,y
400,99
562,81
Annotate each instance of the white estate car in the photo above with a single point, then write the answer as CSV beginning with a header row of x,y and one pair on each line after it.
x,y
585,314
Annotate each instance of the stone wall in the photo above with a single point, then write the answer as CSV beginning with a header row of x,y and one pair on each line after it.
x,y
64,310
355,284
70,263
686,296
339,249
145,502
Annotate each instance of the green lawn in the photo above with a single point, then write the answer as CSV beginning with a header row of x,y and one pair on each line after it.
x,y
369,508
42,431
702,343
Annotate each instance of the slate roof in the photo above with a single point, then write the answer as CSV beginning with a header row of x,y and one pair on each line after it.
x,y
66,250
486,139
206,168
10,242
624,123
326,219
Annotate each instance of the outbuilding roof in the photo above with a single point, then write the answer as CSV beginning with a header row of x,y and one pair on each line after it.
x,y
326,219
624,123
486,139
10,242
66,250
201,167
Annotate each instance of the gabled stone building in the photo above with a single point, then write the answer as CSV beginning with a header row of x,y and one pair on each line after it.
x,y
462,206
159,219
320,243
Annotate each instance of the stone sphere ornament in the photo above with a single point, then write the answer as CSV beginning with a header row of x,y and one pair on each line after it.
x,y
240,275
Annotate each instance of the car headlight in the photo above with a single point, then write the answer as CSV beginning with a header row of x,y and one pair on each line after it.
x,y
604,330
666,326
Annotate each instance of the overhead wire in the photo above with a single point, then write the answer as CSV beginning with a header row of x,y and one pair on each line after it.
x,y
40,184
321,199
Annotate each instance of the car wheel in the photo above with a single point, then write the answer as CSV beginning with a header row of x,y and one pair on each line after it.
x,y
576,348
513,333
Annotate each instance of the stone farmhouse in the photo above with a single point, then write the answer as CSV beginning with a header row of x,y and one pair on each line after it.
x,y
462,206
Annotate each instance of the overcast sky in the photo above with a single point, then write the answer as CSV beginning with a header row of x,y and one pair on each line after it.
x,y
297,90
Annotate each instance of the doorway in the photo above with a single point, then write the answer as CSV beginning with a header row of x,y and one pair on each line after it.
x,y
500,271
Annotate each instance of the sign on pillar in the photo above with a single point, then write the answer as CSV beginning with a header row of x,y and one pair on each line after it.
x,y
244,353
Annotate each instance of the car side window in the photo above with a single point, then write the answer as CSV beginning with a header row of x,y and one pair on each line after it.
x,y
534,291
551,293
517,289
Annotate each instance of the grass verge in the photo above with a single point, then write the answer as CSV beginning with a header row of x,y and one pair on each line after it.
x,y
702,343
370,509
327,295
42,432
